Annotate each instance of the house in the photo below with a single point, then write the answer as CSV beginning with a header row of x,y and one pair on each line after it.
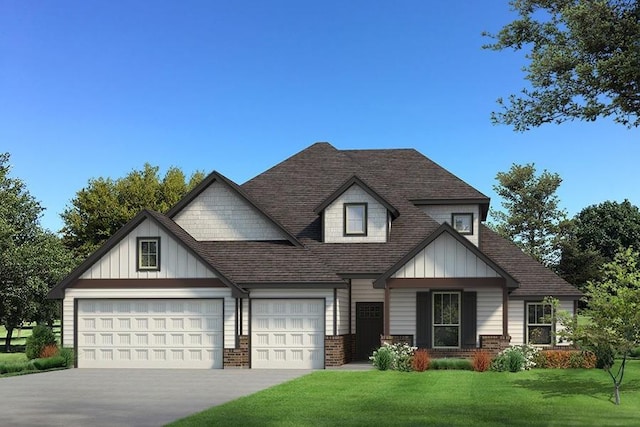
x,y
309,264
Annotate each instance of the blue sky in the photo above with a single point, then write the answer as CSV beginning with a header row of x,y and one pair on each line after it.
x,y
91,89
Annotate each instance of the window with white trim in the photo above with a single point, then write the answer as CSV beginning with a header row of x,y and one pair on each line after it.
x,y
148,253
446,319
355,219
539,323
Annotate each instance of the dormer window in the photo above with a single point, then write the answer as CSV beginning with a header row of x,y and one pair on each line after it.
x,y
355,219
462,222
148,253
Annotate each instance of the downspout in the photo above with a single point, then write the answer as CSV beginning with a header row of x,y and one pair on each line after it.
x,y
387,310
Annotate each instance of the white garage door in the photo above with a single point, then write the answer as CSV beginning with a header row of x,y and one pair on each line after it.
x,y
174,333
287,334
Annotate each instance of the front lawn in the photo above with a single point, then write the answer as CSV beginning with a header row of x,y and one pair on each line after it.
x,y
451,398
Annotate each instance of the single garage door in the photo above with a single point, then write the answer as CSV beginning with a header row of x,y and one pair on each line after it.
x,y
287,333
150,333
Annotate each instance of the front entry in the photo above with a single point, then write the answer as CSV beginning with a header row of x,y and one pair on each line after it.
x,y
369,327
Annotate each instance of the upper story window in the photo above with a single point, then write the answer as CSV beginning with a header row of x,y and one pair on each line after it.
x,y
148,254
355,219
539,323
462,222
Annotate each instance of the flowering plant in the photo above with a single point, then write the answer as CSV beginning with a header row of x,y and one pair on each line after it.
x,y
393,356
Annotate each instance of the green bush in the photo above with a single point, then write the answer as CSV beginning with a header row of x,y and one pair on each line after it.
x,y
635,352
13,367
41,336
516,358
451,364
382,358
67,354
50,363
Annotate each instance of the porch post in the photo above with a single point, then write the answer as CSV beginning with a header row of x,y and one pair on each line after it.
x,y
387,298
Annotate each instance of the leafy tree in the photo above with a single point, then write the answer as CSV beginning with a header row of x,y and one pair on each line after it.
x,y
614,310
583,61
532,218
32,260
105,205
597,234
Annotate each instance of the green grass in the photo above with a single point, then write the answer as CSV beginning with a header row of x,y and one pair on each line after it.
x,y
447,398
12,357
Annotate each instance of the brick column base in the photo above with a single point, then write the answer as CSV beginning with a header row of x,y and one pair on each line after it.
x,y
237,357
494,343
337,350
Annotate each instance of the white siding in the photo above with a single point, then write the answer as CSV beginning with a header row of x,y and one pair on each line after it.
x,y
72,294
516,321
362,290
175,260
218,213
326,294
343,311
489,311
445,257
442,214
334,218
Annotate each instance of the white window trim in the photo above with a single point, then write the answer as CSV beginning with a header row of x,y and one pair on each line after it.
x,y
527,324
433,318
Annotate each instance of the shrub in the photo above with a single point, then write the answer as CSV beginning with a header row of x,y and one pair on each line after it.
x,y
635,352
49,363
563,359
49,350
41,337
382,358
401,357
451,364
421,360
67,355
481,361
515,358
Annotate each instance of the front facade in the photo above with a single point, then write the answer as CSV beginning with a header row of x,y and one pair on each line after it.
x,y
311,264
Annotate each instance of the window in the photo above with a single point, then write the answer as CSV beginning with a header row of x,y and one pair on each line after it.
x,y
148,253
539,323
462,222
446,319
355,219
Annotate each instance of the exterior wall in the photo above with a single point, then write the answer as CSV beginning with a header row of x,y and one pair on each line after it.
x,y
343,311
517,319
337,350
362,290
326,294
403,311
71,294
334,218
220,214
442,213
175,260
445,257
237,357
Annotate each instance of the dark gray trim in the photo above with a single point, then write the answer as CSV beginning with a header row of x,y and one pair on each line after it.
x,y
296,285
482,202
139,250
423,319
453,216
469,319
355,180
380,282
359,275
335,311
350,314
533,298
75,332
216,176
365,220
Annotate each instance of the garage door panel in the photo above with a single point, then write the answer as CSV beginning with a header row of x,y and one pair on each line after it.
x,y
287,334
150,334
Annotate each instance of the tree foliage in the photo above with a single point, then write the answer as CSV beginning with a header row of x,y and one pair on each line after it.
x,y
583,61
596,235
32,260
105,205
614,310
532,218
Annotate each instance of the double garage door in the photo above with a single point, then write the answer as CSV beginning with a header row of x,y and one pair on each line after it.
x,y
188,333
150,333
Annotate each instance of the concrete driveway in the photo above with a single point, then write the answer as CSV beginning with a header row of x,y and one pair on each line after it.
x,y
125,397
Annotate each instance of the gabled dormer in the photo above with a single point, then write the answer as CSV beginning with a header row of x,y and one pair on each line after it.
x,y
356,213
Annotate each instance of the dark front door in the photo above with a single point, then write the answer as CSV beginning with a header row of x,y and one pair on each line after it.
x,y
368,328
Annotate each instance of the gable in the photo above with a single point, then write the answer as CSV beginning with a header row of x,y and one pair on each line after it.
x,y
220,214
176,261
445,257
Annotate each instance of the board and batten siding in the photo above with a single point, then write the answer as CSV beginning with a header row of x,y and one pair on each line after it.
x,y
175,260
443,258
342,302
362,290
333,220
517,319
219,214
326,294
489,311
442,214
72,294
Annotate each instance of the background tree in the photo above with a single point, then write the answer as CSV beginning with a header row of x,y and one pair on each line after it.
x,y
532,219
614,310
32,260
597,233
584,61
105,205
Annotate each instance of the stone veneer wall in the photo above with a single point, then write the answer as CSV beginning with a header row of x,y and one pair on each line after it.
x,y
238,357
337,349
